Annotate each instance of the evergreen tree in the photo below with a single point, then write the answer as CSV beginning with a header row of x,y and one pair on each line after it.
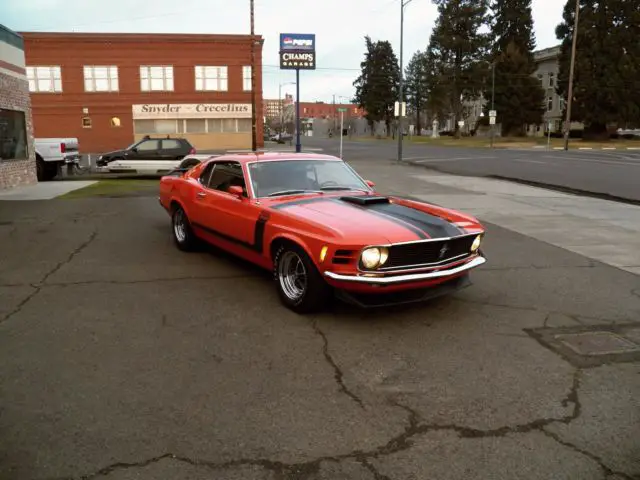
x,y
416,87
377,85
519,97
512,22
455,49
607,65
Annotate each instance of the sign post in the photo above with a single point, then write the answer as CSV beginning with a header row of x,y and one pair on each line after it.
x,y
492,122
341,110
297,52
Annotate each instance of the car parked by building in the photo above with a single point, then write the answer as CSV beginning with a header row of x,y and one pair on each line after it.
x,y
149,156
52,154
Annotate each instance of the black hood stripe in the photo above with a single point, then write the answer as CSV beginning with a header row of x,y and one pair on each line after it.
x,y
433,226
393,218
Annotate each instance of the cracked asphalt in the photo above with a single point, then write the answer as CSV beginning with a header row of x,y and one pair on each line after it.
x,y
122,358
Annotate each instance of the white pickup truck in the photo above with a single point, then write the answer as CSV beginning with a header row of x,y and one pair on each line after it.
x,y
53,153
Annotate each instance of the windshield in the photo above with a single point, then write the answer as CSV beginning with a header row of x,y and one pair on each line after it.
x,y
283,177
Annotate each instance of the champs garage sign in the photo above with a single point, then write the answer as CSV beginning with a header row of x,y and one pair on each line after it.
x,y
297,51
151,111
303,61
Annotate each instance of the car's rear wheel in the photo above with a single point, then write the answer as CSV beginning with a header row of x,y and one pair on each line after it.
x,y
299,284
183,235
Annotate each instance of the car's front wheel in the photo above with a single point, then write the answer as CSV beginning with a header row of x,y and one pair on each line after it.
x,y
299,284
183,235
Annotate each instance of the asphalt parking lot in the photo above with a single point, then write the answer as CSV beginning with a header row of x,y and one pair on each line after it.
x,y
123,358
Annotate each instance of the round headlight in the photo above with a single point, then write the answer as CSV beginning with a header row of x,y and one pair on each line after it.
x,y
371,257
476,243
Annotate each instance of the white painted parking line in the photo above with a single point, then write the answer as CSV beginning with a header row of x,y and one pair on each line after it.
x,y
449,159
585,148
533,161
620,163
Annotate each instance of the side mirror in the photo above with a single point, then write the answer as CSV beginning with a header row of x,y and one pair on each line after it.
x,y
370,183
236,191
134,150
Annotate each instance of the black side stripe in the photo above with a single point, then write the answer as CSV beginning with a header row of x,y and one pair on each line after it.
x,y
398,221
258,236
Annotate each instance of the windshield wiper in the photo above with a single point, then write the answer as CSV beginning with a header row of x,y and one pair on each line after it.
x,y
292,192
343,188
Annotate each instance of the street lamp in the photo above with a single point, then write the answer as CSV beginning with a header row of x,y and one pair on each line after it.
x,y
403,3
280,105
567,125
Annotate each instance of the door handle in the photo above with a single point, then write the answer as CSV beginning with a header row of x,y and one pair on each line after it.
x,y
201,194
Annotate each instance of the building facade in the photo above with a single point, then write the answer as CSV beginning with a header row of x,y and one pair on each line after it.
x,y
109,90
17,150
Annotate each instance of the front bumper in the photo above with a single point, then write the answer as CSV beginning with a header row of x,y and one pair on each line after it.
x,y
407,278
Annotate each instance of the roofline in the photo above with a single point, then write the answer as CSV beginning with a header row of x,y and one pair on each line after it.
x,y
128,36
10,37
250,157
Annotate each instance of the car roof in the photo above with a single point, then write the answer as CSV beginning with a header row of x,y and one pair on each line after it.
x,y
249,157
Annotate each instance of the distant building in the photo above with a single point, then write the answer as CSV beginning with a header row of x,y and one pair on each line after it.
x,y
547,68
111,89
17,150
274,108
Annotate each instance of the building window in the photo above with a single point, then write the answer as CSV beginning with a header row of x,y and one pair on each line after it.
x,y
86,122
100,79
155,126
13,135
156,78
551,80
115,122
549,104
44,79
246,78
211,78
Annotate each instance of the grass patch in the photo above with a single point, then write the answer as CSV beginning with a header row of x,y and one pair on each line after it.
x,y
114,188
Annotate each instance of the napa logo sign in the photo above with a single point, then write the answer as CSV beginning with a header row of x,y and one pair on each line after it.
x,y
297,42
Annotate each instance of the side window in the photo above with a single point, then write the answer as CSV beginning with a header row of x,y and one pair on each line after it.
x,y
227,175
206,173
147,145
170,144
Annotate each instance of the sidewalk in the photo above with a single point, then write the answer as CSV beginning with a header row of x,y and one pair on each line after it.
x,y
602,230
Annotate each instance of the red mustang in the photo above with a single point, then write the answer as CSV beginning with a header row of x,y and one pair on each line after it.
x,y
322,228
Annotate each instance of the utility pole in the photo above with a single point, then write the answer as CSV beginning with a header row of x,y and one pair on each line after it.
x,y
567,124
493,96
403,3
254,126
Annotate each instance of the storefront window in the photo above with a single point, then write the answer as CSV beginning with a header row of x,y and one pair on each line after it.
x,y
214,125
196,125
13,135
229,125
244,125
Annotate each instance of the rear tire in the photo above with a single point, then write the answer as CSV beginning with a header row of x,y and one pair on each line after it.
x,y
183,235
300,286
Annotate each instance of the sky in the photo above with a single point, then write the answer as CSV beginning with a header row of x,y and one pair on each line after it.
x,y
339,25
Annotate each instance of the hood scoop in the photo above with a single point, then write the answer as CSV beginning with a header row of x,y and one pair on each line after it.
x,y
365,200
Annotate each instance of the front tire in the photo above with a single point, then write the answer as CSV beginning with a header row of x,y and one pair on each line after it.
x,y
299,284
183,235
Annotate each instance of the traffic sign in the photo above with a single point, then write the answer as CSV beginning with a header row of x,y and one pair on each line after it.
x,y
492,120
492,113
342,109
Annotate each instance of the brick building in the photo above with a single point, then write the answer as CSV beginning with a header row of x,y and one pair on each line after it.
x,y
109,90
17,151
330,110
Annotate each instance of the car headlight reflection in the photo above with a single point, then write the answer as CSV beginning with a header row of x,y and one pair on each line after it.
x,y
476,243
374,257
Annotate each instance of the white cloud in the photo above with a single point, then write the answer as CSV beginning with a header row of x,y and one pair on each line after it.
x,y
340,27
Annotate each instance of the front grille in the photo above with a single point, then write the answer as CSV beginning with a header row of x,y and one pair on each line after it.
x,y
425,253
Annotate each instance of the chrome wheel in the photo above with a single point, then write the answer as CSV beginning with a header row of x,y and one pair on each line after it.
x,y
292,275
179,226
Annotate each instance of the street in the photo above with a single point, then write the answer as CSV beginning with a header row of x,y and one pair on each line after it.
x,y
123,358
605,172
